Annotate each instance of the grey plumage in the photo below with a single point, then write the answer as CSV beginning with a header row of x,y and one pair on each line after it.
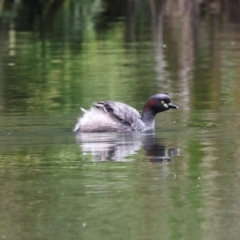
x,y
109,116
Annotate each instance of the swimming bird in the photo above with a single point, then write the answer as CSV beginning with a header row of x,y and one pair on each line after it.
x,y
109,116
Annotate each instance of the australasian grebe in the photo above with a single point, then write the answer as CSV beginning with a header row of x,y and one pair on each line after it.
x,y
108,116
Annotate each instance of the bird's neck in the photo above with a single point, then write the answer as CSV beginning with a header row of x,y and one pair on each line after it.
x,y
148,118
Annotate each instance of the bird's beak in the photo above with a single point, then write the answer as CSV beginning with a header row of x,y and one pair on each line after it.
x,y
170,105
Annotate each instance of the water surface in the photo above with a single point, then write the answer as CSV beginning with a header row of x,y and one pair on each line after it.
x,y
178,182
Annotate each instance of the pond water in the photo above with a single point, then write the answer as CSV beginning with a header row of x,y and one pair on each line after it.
x,y
178,182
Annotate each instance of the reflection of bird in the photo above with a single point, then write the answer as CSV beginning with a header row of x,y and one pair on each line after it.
x,y
118,117
120,146
157,151
110,146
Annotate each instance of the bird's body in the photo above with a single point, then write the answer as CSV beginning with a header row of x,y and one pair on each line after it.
x,y
109,116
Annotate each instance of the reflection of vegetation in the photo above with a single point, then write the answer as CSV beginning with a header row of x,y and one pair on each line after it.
x,y
57,55
63,71
70,57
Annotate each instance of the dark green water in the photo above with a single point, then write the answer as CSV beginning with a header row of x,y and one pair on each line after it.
x,y
180,182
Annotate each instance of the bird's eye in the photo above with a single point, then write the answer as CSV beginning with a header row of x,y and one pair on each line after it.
x,y
164,104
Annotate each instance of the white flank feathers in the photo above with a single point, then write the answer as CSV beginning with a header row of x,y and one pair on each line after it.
x,y
95,120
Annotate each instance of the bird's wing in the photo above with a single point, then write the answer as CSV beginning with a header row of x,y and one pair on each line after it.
x,y
119,111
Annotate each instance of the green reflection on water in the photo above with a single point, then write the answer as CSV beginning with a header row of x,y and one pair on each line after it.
x,y
52,185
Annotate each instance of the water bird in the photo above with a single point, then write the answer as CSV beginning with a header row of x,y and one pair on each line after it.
x,y
109,116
